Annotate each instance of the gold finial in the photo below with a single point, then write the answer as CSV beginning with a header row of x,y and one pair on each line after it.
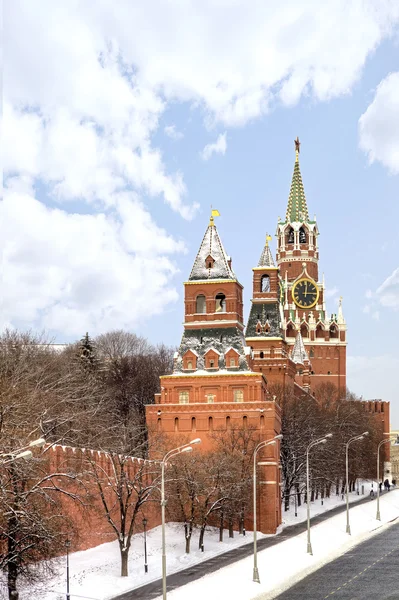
x,y
268,239
297,148
214,213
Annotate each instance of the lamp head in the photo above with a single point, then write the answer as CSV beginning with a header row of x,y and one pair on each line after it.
x,y
365,434
196,441
26,455
279,436
323,441
39,443
187,449
328,435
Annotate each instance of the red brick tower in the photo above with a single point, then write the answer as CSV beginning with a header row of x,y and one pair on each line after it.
x,y
304,306
213,385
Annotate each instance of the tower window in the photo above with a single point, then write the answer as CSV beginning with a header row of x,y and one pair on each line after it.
x,y
200,304
210,398
245,422
210,424
265,283
189,364
291,236
238,396
209,262
261,355
176,424
183,397
232,362
302,236
220,303
193,424
228,423
211,364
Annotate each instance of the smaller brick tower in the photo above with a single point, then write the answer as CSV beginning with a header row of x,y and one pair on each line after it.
x,y
213,385
264,333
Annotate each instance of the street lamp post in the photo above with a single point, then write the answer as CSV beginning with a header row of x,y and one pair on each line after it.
x,y
67,546
322,440
168,455
356,438
145,545
261,445
378,516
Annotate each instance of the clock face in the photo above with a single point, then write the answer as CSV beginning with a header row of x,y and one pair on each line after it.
x,y
305,293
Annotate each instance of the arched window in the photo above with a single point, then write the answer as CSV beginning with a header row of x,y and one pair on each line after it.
x,y
265,283
320,331
200,304
220,303
302,236
333,331
311,352
304,330
261,355
193,424
159,425
272,352
228,423
210,424
245,422
262,422
189,365
290,238
176,424
290,330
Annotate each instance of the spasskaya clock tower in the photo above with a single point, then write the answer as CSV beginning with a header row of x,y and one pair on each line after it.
x,y
304,302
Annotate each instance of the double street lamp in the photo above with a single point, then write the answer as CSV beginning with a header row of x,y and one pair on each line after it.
x,y
24,452
396,443
322,440
261,445
169,455
356,438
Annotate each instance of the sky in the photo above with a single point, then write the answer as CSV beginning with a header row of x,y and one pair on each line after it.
x,y
123,123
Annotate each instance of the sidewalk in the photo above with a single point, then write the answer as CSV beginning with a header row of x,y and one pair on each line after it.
x,y
153,590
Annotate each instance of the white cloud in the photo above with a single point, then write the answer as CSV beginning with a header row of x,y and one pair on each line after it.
x,y
173,133
74,272
330,292
375,315
80,119
218,147
388,292
379,125
369,294
367,309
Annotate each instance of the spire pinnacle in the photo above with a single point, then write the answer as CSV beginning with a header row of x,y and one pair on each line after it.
x,y
211,261
297,210
299,354
266,258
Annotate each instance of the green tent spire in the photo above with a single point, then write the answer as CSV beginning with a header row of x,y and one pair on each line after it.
x,y
297,209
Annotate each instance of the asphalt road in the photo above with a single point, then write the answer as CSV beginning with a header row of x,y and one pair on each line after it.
x,y
369,571
175,580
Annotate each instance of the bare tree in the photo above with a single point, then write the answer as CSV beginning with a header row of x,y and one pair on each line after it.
x,y
37,393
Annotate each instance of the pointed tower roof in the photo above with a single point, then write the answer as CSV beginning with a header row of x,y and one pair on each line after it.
x,y
266,258
299,354
297,209
211,248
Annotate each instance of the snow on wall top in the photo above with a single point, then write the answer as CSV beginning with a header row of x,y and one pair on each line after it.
x,y
211,246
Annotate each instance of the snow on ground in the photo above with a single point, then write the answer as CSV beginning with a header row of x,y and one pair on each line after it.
x,y
95,573
288,562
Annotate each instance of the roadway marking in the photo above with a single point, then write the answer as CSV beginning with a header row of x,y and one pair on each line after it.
x,y
361,573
